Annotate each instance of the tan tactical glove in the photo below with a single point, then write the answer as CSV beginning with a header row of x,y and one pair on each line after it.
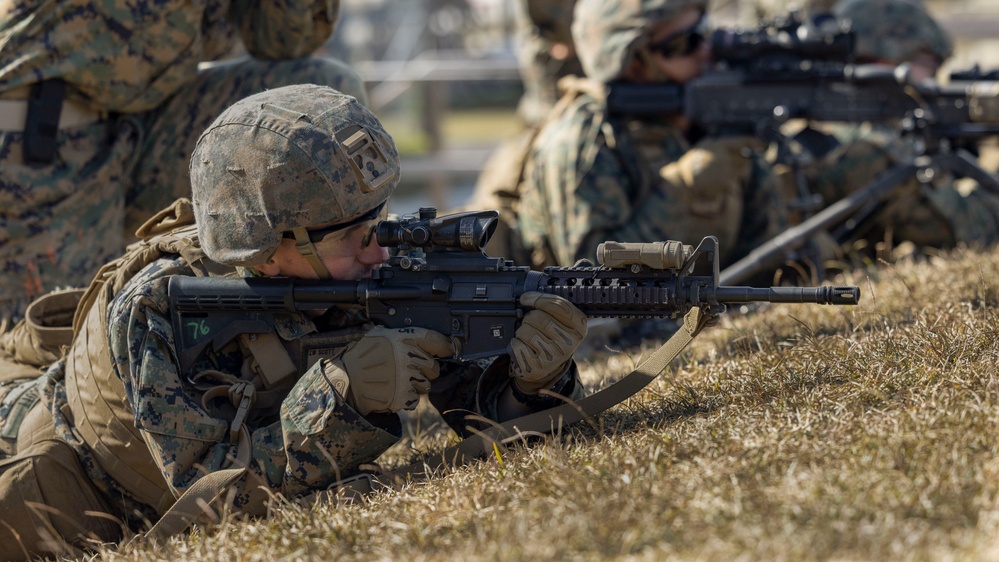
x,y
389,368
710,167
545,341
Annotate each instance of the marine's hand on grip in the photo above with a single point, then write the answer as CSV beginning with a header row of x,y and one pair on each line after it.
x,y
389,368
545,341
714,164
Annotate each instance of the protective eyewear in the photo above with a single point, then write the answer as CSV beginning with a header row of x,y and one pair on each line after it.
x,y
347,230
682,43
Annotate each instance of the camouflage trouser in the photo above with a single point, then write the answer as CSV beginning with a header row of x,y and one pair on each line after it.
x,y
61,222
48,506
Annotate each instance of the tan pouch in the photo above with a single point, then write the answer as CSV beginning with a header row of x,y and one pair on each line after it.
x,y
48,506
31,346
45,332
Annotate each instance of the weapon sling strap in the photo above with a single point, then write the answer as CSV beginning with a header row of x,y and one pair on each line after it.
x,y
206,489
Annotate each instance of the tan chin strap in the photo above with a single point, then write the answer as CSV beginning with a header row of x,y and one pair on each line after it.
x,y
307,249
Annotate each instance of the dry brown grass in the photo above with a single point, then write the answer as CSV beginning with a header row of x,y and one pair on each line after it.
x,y
792,433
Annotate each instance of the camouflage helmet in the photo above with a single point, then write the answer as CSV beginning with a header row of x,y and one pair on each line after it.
x,y
894,30
285,160
607,33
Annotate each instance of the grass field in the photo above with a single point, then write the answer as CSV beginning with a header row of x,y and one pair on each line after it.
x,y
790,433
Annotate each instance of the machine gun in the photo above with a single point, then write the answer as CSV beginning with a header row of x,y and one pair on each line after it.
x,y
794,70
974,73
790,70
442,280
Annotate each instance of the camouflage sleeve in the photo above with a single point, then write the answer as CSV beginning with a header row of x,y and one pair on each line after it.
x,y
275,30
586,185
317,439
323,438
934,214
605,206
576,190
590,181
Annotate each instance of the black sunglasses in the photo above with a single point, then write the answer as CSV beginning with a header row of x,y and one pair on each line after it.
x,y
316,235
682,43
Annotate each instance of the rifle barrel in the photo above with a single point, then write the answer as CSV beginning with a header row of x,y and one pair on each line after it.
x,y
819,295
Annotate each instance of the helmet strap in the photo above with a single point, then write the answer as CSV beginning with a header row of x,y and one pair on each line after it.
x,y
307,250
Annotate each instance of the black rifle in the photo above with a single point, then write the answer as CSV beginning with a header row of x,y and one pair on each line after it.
x,y
973,74
791,70
442,280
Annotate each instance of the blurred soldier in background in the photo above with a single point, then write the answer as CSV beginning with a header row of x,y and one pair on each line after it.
x,y
893,32
592,176
770,9
934,215
289,182
546,53
101,104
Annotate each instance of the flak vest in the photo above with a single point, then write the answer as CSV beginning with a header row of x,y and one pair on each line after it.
x,y
96,396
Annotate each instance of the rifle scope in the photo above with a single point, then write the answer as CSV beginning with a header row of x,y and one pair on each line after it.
x,y
782,40
465,232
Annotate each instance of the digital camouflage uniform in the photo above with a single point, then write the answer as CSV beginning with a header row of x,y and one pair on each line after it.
x,y
137,66
938,214
591,177
142,428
